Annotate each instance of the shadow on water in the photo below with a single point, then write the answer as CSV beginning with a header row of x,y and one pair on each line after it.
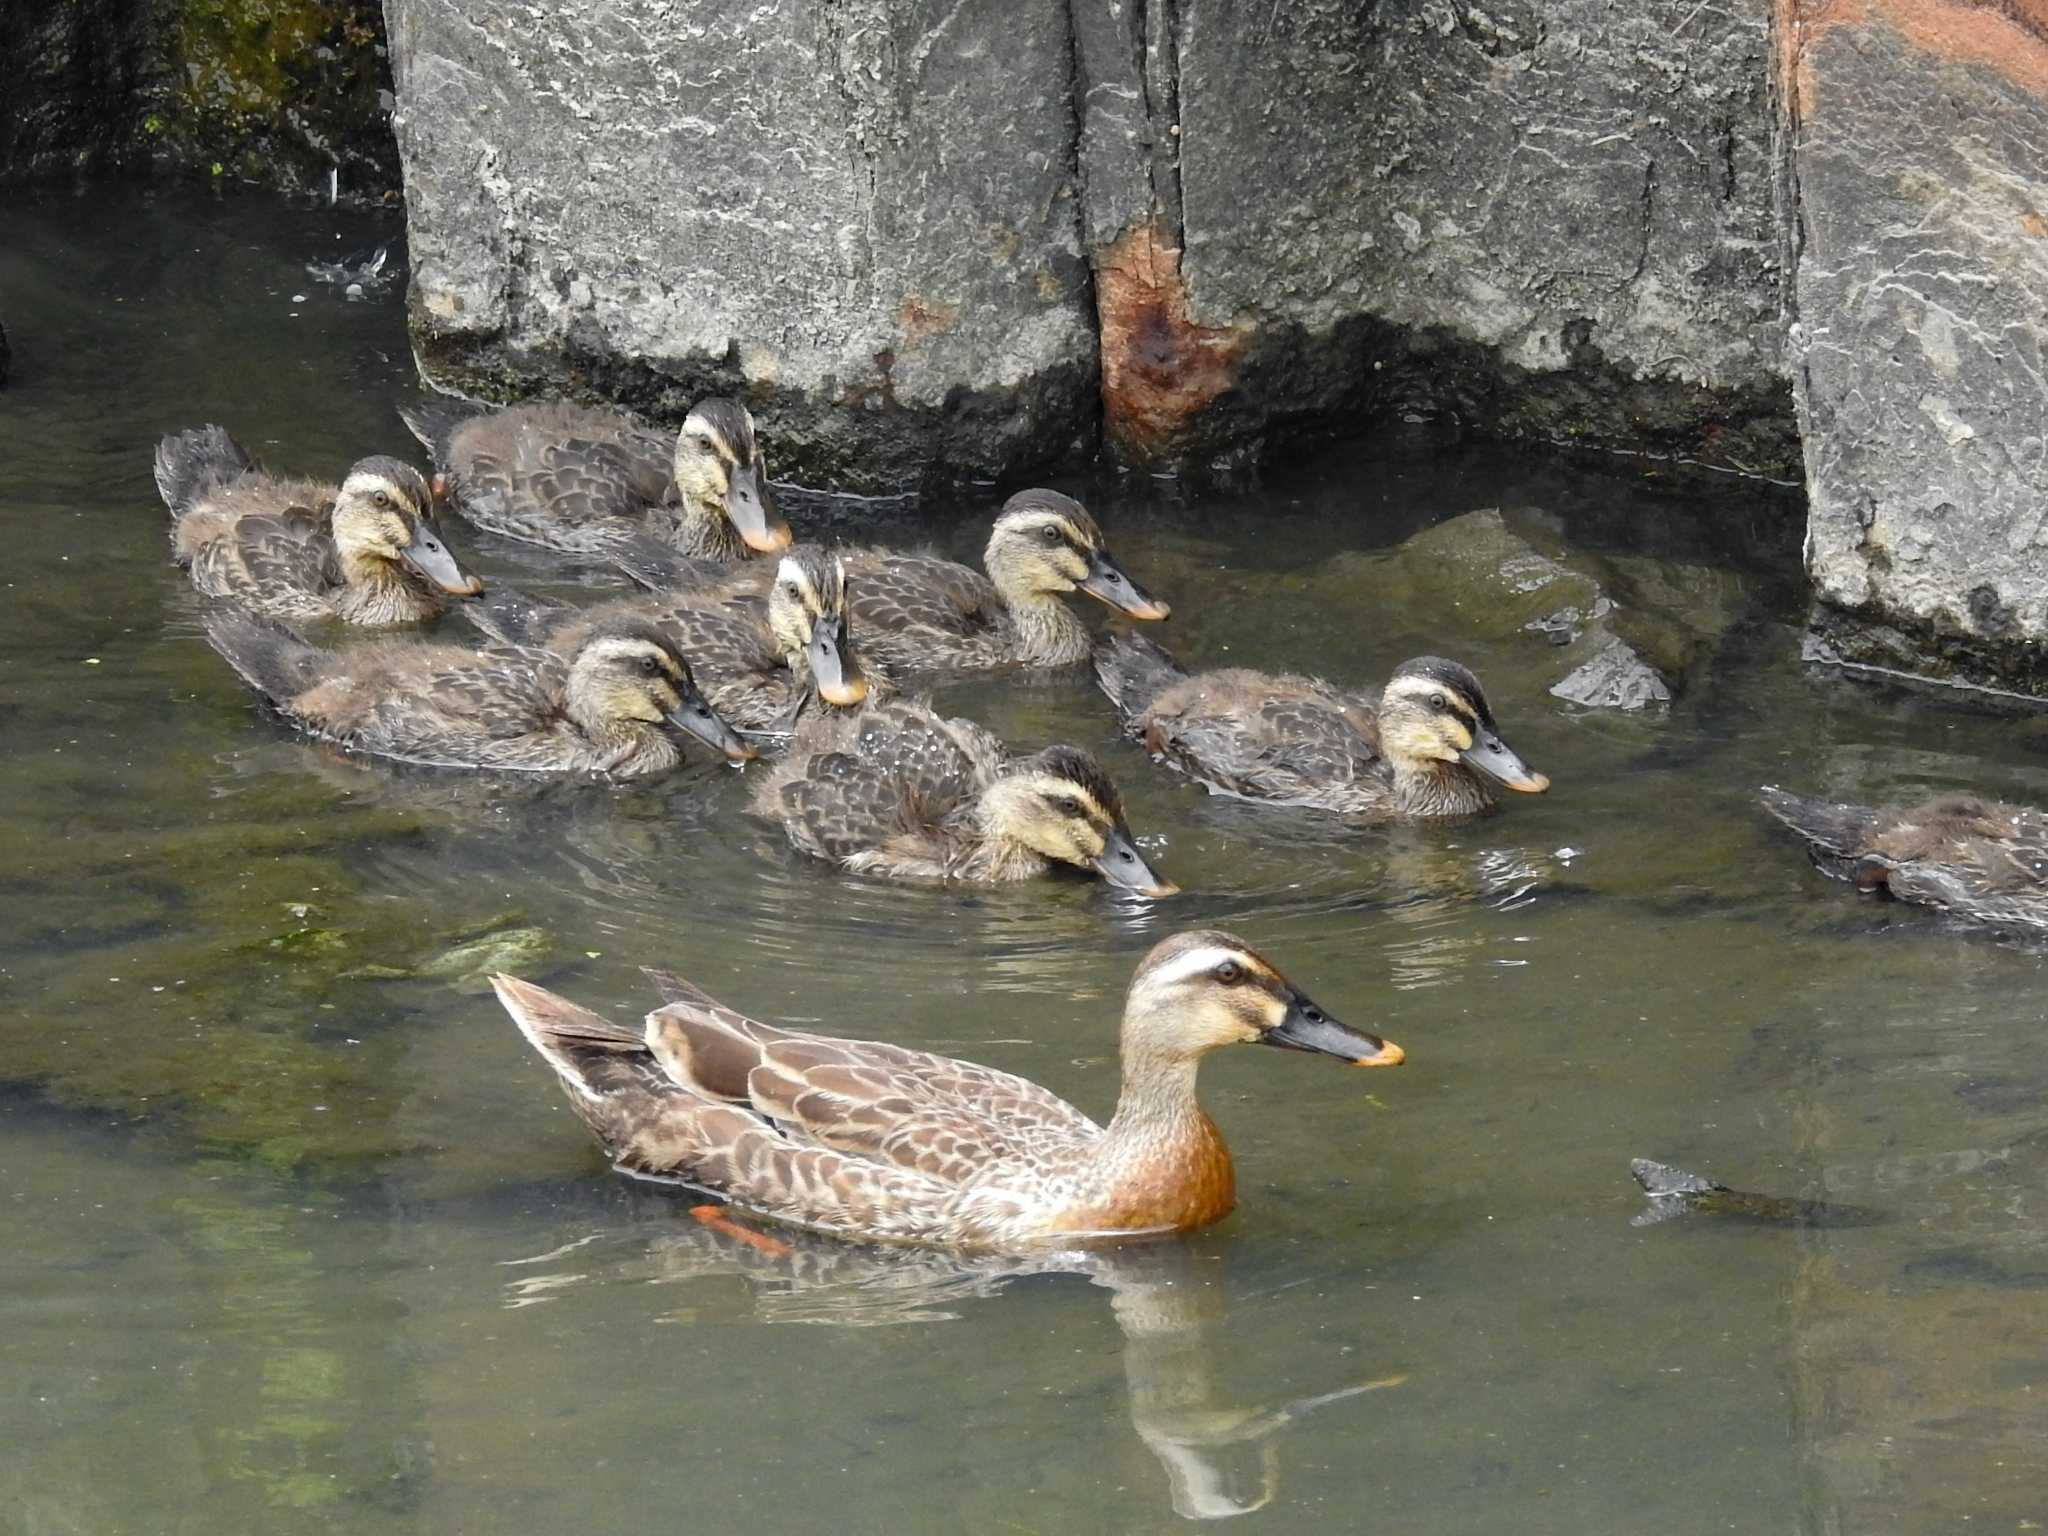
x,y
275,1169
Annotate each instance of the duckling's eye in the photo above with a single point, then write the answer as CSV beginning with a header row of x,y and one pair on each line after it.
x,y
382,498
1230,973
1438,702
790,589
650,665
1050,533
1066,805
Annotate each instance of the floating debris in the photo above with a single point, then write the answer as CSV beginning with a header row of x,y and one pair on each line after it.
x,y
1675,1192
358,274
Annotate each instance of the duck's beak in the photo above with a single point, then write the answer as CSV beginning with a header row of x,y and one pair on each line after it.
x,y
1120,863
838,675
1106,580
1489,753
751,506
1307,1028
696,716
429,556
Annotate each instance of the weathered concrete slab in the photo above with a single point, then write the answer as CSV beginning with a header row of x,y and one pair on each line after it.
x,y
1918,218
858,214
1550,218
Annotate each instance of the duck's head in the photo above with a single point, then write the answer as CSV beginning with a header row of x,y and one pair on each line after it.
x,y
383,516
1062,806
1200,990
627,671
1045,543
719,472
807,613
1434,711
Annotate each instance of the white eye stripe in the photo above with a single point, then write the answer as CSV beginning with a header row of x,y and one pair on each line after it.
x,y
1201,962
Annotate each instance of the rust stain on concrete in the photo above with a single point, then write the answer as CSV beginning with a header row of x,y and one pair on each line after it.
x,y
1160,367
919,318
2009,36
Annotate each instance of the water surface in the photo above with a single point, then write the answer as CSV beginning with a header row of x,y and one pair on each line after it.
x,y
299,1235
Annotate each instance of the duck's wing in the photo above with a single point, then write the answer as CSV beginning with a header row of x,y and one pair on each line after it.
x,y
1273,741
1994,872
892,592
935,1115
562,479
656,1125
880,776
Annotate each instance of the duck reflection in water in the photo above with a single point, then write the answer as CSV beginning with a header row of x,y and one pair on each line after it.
x,y
1221,1457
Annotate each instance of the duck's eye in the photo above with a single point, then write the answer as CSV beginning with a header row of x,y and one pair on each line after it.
x,y
1438,702
790,589
382,498
1230,973
1050,533
1066,805
650,665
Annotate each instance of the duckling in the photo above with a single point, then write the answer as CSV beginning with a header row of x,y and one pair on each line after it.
x,y
1299,741
602,483
760,661
365,552
599,710
899,792
1981,859
919,612
871,1141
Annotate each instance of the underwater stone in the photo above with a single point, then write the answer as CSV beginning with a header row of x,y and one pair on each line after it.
x,y
1615,678
1920,137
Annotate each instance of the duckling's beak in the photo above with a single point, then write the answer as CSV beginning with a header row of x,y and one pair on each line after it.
x,y
751,506
1120,863
1106,580
831,656
696,716
429,556
1490,753
1307,1028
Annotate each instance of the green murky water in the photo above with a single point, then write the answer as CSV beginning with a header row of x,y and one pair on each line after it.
x,y
299,1237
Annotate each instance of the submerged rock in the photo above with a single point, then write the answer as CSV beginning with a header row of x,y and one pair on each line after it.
x,y
1675,1191
469,965
1615,678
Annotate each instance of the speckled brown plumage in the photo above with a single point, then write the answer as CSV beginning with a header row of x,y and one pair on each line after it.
x,y
602,709
863,1139
1981,859
918,612
277,545
1297,740
898,791
753,656
598,483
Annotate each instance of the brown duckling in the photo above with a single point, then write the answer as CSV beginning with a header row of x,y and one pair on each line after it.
x,y
761,661
602,709
1981,859
898,791
1299,741
601,483
867,1140
920,613
365,551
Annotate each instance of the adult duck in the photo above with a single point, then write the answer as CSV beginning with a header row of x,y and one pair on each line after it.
x,y
867,1140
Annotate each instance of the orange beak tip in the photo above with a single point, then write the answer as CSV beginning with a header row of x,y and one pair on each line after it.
x,y
772,540
845,694
1535,784
1163,889
1390,1055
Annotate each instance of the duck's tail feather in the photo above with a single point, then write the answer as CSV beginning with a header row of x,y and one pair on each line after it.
x,y
701,1042
1134,671
512,617
271,657
1832,827
193,462
433,419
